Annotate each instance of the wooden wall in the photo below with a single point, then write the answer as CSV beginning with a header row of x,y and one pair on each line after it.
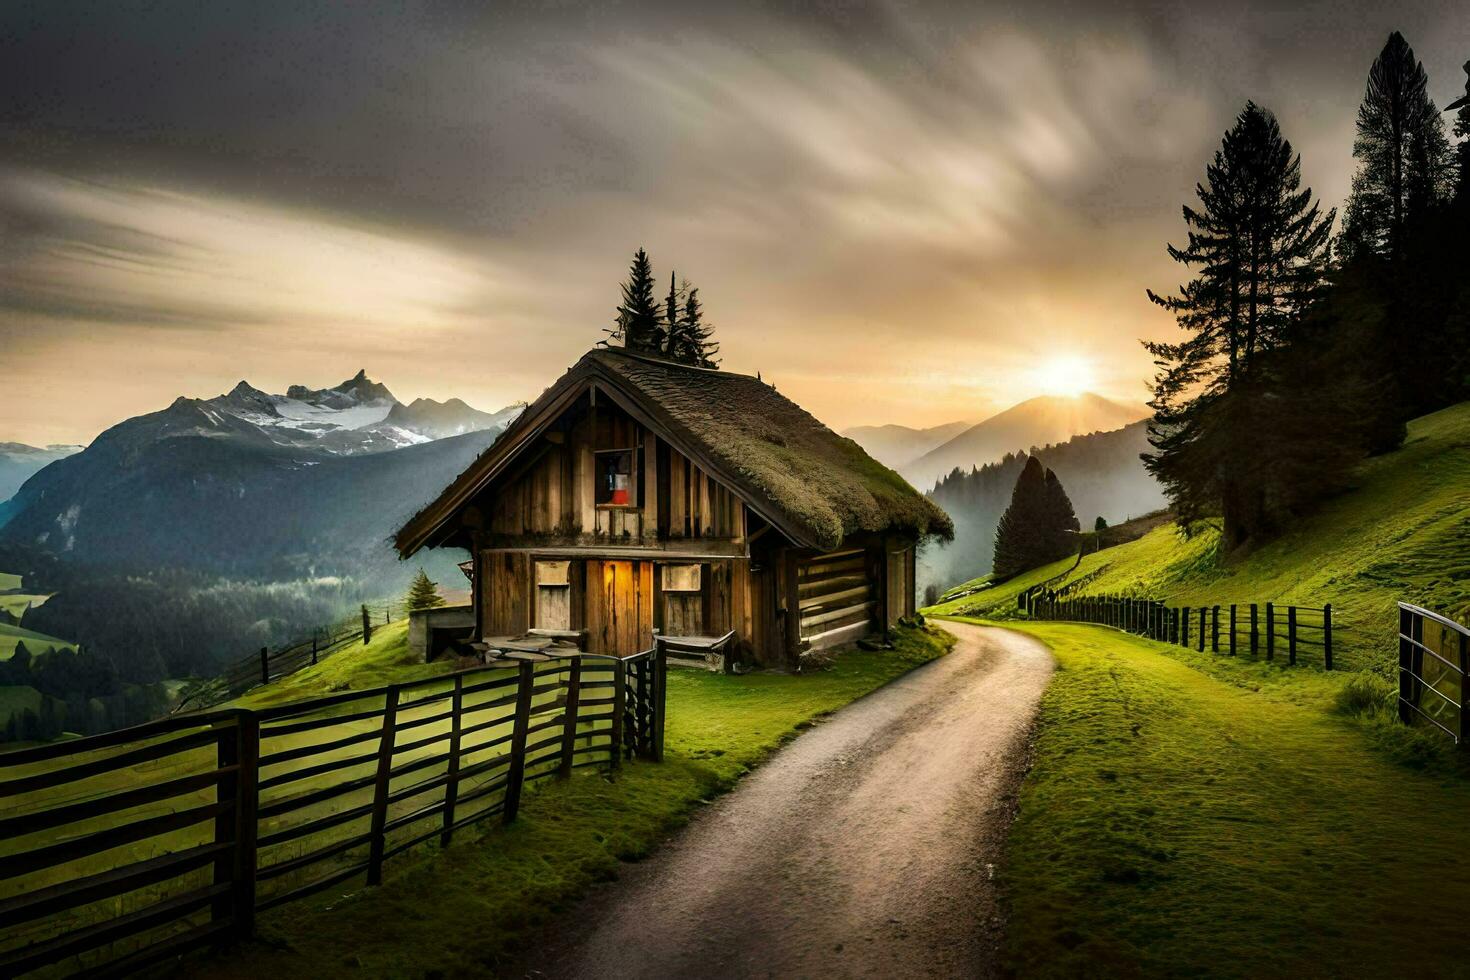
x,y
836,597
551,494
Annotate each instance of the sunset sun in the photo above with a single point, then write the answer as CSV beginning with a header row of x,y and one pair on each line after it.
x,y
1070,376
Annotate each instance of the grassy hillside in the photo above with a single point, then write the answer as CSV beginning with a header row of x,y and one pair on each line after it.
x,y
1402,532
1180,824
35,642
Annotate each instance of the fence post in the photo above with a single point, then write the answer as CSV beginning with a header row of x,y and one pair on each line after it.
x,y
1464,702
367,626
1201,629
1215,630
661,697
1270,631
620,696
517,774
643,741
380,785
1255,640
1291,634
1184,622
569,716
1327,637
265,665
1232,629
1406,690
238,747
451,775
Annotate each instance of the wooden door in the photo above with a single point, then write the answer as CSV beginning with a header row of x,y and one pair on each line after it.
x,y
619,606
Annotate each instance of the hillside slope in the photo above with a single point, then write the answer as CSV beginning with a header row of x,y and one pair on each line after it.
x,y
1402,533
1102,474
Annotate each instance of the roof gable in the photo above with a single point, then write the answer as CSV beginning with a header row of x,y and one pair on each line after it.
x,y
812,484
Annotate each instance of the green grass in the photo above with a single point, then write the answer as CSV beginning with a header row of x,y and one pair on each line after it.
x,y
35,642
1174,824
1401,533
461,911
10,580
18,603
353,666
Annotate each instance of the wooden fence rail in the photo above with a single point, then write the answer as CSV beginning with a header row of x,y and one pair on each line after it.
x,y
123,849
1237,629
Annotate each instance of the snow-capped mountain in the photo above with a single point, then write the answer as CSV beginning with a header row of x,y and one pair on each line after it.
x,y
252,483
358,416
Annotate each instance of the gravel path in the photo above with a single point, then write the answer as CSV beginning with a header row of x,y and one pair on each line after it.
x,y
866,848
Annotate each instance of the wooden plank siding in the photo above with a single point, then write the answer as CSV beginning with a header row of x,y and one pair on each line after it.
x,y
776,597
552,496
836,597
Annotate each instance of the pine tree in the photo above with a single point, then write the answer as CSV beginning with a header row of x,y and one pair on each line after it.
x,y
1461,108
423,593
638,326
1038,527
1403,154
1261,248
1062,525
1101,524
671,338
691,338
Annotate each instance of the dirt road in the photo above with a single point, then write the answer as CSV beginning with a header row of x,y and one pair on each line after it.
x,y
866,848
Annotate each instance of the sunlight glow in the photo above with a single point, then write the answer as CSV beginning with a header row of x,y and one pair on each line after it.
x,y
1070,376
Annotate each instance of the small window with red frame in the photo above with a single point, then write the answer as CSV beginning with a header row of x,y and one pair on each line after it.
x,y
617,485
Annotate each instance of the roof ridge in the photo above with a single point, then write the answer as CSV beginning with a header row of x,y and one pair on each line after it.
x,y
665,362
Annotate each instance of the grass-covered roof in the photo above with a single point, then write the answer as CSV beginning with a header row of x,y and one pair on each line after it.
x,y
815,485
778,453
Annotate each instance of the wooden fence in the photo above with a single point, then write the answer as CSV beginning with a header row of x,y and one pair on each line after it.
x,y
123,849
1434,655
1260,629
269,665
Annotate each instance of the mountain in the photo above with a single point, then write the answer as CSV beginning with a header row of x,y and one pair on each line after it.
x,y
357,417
249,510
18,462
1041,421
1101,473
895,446
250,483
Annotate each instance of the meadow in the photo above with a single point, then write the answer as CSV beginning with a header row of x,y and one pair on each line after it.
x,y
1400,533
1178,822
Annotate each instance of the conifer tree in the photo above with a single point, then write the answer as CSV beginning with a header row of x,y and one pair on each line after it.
x,y
692,341
1101,524
1260,246
423,593
1037,526
1461,108
1403,154
638,326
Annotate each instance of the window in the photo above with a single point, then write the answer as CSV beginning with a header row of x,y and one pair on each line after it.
x,y
617,481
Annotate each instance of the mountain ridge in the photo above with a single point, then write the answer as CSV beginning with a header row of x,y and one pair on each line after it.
x,y
1040,421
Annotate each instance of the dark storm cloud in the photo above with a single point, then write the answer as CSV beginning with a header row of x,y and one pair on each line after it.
x,y
887,181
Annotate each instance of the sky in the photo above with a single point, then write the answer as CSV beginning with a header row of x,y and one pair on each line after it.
x,y
896,212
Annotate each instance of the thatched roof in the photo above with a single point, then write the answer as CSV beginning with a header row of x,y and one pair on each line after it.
x,y
812,484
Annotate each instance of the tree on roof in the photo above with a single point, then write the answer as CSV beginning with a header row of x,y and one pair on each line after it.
x,y
690,338
638,326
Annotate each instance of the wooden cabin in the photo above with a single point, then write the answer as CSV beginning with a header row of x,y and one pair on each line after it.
x,y
638,495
